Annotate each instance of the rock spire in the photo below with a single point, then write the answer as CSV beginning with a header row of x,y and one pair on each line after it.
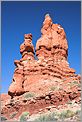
x,y
52,64
53,41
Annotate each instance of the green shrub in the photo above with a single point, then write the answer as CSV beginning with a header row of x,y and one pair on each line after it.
x,y
28,95
25,113
69,102
79,85
3,118
66,114
23,119
74,83
78,112
53,88
13,115
51,117
46,117
23,116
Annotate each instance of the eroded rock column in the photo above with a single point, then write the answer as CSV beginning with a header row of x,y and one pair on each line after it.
x,y
27,51
52,46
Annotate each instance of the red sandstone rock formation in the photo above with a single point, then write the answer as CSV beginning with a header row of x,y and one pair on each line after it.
x,y
27,51
53,41
52,64
27,48
39,86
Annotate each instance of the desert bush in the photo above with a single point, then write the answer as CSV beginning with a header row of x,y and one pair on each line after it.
x,y
46,118
74,83
3,118
78,112
55,116
79,85
28,95
78,115
70,102
13,115
66,114
23,117
53,88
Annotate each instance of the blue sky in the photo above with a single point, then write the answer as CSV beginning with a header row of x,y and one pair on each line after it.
x,y
18,18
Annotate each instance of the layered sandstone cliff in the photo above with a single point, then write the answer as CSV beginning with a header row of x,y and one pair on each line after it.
x,y
51,51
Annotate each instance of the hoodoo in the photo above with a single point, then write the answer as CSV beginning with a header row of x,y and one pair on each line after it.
x,y
51,51
43,88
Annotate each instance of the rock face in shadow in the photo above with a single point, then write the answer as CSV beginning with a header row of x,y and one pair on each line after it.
x,y
51,51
